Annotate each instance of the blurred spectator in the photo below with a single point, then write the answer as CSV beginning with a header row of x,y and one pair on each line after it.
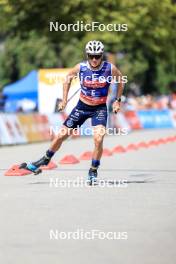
x,y
172,100
145,102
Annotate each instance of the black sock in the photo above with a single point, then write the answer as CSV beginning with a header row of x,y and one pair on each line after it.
x,y
50,153
95,164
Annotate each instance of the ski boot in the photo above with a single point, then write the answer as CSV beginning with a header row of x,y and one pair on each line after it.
x,y
35,166
92,176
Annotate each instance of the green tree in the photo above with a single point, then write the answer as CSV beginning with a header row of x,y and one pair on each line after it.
x,y
148,47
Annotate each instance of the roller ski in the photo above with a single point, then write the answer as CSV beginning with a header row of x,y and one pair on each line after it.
x,y
92,176
35,166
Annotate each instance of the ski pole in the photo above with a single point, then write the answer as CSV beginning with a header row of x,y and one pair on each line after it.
x,y
69,99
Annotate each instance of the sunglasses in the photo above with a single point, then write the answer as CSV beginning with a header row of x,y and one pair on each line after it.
x,y
97,57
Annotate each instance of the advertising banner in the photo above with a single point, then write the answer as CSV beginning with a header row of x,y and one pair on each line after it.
x,y
50,88
173,117
119,121
30,127
11,131
42,126
133,119
155,118
55,123
4,135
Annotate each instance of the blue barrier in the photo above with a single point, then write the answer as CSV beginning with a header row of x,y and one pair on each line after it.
x,y
155,118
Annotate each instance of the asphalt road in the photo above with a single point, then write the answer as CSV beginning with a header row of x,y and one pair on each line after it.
x,y
48,218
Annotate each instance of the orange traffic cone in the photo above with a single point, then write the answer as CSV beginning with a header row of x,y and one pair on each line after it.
x,y
152,143
15,171
142,145
170,139
69,159
131,147
86,155
161,141
118,149
107,152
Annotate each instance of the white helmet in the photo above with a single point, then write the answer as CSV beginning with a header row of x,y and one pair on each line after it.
x,y
94,47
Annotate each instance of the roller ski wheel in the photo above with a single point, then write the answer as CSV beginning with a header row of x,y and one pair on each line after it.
x,y
30,167
92,177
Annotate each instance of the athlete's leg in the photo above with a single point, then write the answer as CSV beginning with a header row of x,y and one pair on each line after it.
x,y
99,133
74,120
63,134
99,120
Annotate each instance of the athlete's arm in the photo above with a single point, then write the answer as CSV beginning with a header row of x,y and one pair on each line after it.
x,y
66,85
117,75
